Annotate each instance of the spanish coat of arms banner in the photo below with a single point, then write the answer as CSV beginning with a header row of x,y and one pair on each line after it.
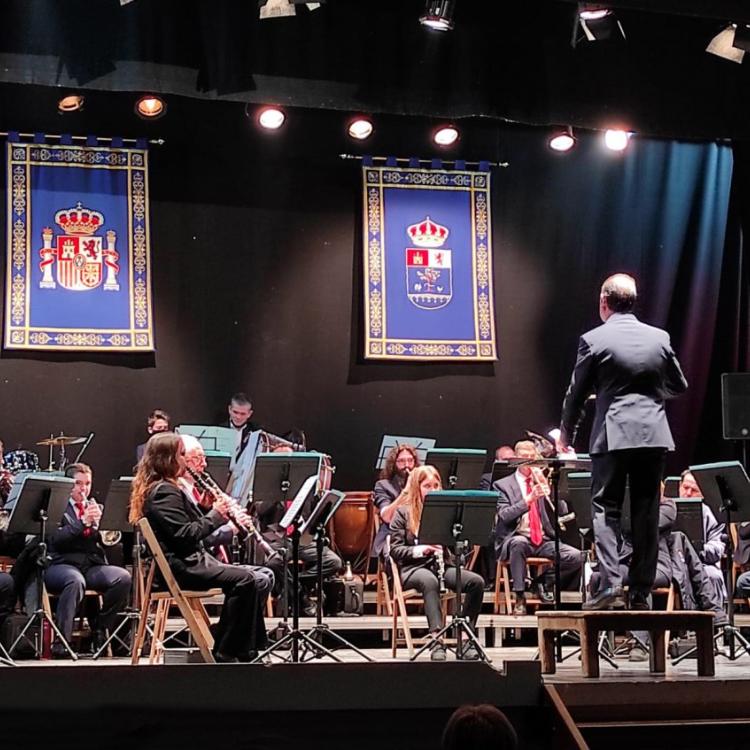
x,y
427,264
78,273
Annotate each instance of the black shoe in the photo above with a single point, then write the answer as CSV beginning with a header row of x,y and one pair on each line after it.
x,y
98,640
519,608
638,601
438,652
221,658
58,651
469,652
545,596
308,607
609,598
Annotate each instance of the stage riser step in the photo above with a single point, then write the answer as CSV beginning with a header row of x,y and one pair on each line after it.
x,y
687,736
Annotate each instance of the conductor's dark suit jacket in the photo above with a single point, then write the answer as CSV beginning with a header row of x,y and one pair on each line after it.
x,y
181,529
511,507
632,369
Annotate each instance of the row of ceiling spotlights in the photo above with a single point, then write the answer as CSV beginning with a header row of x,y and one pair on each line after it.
x,y
150,106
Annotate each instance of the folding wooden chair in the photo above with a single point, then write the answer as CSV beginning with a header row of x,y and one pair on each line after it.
x,y
189,603
503,599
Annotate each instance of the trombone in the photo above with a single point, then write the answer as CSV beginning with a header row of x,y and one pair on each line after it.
x,y
540,480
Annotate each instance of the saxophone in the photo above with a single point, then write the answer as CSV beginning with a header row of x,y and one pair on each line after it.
x,y
440,561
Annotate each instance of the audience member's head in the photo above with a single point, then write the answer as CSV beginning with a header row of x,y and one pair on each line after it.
x,y
481,727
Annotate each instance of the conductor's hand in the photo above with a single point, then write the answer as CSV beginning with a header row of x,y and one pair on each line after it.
x,y
562,448
222,506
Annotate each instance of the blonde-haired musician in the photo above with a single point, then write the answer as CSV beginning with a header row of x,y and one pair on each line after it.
x,y
418,564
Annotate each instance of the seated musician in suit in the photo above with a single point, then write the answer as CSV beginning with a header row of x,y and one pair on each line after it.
x,y
714,546
275,535
400,461
523,527
182,529
419,565
78,562
742,557
7,596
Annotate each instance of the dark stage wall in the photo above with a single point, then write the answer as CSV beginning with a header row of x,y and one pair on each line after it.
x,y
256,267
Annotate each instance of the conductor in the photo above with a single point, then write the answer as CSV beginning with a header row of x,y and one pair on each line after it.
x,y
632,370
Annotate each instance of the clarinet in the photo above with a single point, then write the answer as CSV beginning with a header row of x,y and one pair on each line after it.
x,y
244,530
440,560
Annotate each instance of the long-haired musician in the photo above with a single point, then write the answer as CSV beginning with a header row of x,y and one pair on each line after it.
x,y
181,529
418,563
399,462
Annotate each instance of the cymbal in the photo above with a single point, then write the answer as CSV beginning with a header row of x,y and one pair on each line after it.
x,y
62,440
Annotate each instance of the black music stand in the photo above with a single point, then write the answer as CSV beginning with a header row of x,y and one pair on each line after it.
x,y
453,518
318,520
459,468
690,520
277,477
299,511
40,502
217,465
115,518
726,490
500,470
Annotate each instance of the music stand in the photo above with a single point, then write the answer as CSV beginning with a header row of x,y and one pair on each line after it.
x,y
277,477
318,520
672,487
217,465
726,490
298,512
115,518
690,520
459,468
500,470
40,502
452,518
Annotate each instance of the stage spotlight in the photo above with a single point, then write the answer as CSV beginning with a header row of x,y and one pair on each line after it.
x,y
730,43
438,14
150,107
616,140
360,128
271,118
562,140
445,135
598,22
70,103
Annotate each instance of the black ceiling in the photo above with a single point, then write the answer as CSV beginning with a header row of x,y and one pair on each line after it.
x,y
506,60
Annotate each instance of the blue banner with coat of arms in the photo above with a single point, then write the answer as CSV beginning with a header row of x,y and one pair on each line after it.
x,y
428,264
78,259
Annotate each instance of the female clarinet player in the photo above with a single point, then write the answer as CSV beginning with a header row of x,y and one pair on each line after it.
x,y
181,528
426,567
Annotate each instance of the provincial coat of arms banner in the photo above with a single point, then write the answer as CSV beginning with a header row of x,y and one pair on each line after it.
x,y
428,264
78,274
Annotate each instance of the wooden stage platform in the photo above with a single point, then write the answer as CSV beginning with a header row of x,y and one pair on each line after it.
x,y
357,704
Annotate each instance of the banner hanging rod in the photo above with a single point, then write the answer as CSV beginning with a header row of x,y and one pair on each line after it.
x,y
406,160
153,142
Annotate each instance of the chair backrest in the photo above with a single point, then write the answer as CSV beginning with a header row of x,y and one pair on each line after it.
x,y
159,559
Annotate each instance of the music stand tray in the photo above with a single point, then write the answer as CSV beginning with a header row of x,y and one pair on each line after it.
x,y
40,502
217,465
500,470
690,520
452,518
459,468
279,476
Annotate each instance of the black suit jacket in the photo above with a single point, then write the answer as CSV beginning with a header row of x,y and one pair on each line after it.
x,y
511,507
383,494
181,529
403,543
631,368
742,553
67,544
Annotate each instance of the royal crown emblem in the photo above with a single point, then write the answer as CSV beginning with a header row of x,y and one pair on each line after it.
x,y
429,280
80,253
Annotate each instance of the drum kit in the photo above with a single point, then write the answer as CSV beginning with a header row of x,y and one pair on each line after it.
x,y
18,461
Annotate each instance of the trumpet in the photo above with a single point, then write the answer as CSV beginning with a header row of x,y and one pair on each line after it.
x,y
246,528
538,477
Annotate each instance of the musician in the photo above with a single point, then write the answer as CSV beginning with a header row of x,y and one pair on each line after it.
x,y
78,562
158,421
523,527
240,410
714,546
632,370
400,461
503,453
418,565
195,460
275,535
181,530
742,557
7,596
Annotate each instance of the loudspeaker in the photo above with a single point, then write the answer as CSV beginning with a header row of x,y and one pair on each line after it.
x,y
735,405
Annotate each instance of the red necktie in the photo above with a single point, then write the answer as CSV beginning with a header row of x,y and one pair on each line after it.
x,y
79,512
535,520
